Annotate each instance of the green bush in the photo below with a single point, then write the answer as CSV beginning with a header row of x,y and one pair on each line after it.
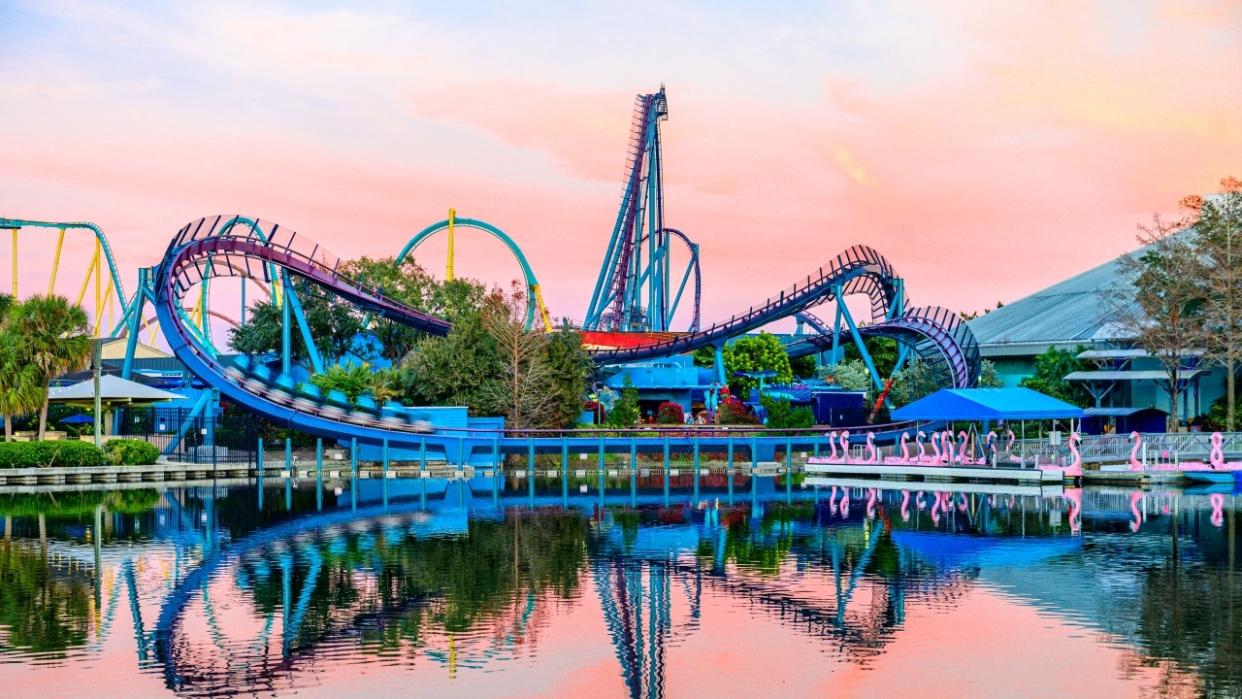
x,y
55,453
781,415
131,452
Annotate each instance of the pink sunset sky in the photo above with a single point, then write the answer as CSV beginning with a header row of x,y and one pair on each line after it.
x,y
988,149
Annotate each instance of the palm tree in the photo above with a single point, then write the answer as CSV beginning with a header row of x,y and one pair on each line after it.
x,y
21,390
19,380
53,336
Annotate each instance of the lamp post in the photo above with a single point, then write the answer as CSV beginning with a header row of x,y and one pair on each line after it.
x,y
96,372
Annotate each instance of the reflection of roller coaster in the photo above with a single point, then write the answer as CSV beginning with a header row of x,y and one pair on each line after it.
x,y
847,580
630,316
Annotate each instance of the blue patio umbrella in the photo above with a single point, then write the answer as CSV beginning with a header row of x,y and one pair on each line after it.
x,y
79,419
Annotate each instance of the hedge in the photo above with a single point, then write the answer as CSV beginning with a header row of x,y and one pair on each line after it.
x,y
54,453
131,452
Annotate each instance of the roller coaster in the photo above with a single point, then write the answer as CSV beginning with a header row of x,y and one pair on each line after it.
x,y
629,318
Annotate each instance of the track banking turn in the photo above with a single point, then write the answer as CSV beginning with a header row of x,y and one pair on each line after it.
x,y
219,246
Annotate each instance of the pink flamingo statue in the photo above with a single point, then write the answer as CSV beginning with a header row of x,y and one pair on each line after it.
x,y
905,506
1137,522
1135,464
873,456
946,443
905,448
1217,459
1075,467
963,454
1013,458
935,444
1218,509
845,446
918,441
832,442
1074,470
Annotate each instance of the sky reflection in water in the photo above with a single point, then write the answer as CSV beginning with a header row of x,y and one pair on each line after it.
x,y
482,591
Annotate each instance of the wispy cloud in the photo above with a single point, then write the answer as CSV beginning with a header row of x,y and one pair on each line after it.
x,y
955,136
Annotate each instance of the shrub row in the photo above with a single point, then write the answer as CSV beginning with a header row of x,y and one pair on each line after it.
x,y
55,453
131,452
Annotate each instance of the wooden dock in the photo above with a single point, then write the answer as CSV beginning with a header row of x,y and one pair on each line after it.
x,y
915,472
159,472
1027,488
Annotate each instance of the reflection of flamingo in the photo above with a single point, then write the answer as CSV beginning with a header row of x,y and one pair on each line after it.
x,y
832,442
1135,497
871,493
832,500
845,502
1217,458
918,440
1218,509
920,501
1074,496
872,455
935,509
905,506
1135,464
845,446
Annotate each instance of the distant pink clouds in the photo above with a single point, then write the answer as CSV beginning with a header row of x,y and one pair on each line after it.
x,y
987,149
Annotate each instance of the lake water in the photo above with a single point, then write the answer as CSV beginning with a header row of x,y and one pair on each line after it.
x,y
475,589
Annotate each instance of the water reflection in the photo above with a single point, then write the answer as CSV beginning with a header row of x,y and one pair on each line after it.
x,y
459,581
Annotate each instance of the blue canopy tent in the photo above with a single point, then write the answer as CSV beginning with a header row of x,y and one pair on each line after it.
x,y
987,405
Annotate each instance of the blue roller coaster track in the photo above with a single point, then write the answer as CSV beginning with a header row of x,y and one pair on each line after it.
x,y
637,291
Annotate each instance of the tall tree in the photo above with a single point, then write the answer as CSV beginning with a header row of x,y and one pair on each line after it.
x,y
569,371
1051,368
451,370
408,283
762,352
1163,310
332,323
54,337
524,391
1218,242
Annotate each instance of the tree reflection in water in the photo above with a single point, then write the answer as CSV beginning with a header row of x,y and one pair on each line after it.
x,y
43,608
410,582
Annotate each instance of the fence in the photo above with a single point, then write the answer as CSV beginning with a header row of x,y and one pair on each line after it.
x,y
1153,447
227,437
